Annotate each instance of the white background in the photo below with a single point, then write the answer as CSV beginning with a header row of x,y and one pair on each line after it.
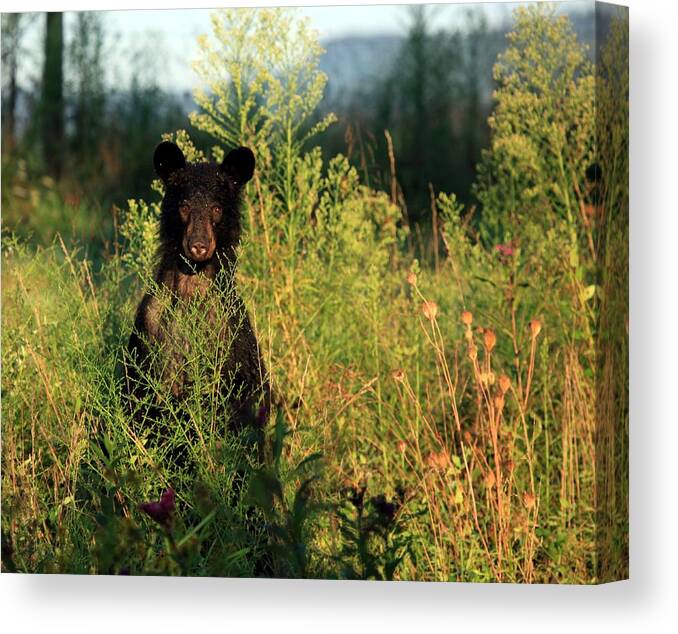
x,y
647,603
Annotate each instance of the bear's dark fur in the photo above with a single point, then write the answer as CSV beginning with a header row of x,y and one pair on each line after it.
x,y
199,235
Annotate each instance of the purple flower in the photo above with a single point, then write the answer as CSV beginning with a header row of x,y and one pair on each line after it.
x,y
262,416
161,511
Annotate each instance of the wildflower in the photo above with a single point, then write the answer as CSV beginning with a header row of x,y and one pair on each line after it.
x,y
467,318
412,278
430,310
161,511
505,249
535,327
402,446
490,339
504,383
262,417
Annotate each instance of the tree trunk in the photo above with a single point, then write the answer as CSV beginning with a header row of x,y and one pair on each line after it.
x,y
52,95
11,37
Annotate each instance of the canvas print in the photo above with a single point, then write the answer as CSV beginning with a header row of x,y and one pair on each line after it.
x,y
327,292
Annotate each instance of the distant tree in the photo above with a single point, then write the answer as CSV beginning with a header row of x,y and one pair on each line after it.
x,y
416,106
87,76
53,94
435,103
12,31
475,69
137,112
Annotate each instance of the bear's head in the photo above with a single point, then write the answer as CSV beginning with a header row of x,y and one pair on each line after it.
x,y
200,211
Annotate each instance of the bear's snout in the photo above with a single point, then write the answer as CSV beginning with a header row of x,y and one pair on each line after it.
x,y
199,241
199,251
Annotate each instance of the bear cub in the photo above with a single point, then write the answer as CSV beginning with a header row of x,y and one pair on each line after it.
x,y
199,234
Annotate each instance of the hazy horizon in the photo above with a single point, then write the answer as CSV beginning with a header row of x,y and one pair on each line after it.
x,y
175,31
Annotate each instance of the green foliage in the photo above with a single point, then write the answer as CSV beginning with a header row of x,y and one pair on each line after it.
x,y
261,68
542,131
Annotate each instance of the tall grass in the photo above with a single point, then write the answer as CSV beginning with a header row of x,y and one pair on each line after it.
x,y
460,419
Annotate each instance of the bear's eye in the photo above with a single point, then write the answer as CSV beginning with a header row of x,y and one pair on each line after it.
x,y
184,211
216,213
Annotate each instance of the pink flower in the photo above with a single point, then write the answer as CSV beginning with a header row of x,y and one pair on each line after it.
x,y
161,511
505,249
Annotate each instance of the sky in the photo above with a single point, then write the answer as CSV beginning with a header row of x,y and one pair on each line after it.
x,y
180,28
173,32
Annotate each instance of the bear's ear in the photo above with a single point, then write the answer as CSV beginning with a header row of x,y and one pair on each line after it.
x,y
167,159
238,165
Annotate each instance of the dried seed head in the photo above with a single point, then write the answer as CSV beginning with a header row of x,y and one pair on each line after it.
x,y
535,327
430,310
499,402
528,500
472,352
398,375
438,460
468,439
487,378
490,339
402,446
490,479
467,318
504,383
412,278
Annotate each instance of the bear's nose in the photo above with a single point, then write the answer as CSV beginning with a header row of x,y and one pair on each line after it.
x,y
198,250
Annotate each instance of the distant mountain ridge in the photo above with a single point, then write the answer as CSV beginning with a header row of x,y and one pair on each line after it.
x,y
352,62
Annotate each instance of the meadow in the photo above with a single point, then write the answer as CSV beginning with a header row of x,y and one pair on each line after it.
x,y
454,397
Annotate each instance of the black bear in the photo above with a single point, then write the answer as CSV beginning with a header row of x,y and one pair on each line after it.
x,y
199,234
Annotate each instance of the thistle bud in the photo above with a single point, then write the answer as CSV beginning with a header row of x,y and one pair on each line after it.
x,y
504,383
398,375
535,327
467,318
430,310
490,339
412,278
438,460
